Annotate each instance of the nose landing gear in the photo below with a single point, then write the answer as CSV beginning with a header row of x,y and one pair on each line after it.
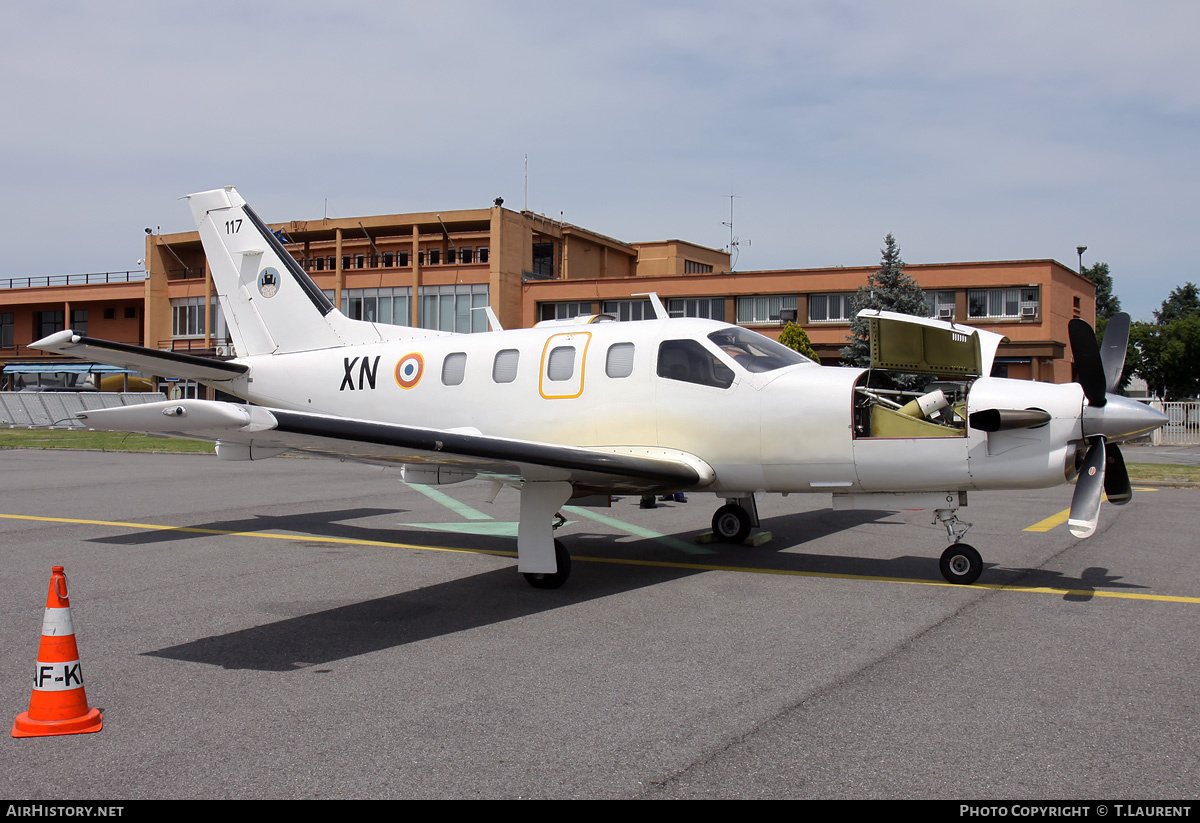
x,y
960,563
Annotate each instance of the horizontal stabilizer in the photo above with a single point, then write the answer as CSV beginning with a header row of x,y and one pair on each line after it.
x,y
139,358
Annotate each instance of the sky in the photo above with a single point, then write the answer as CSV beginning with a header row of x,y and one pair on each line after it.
x,y
1004,130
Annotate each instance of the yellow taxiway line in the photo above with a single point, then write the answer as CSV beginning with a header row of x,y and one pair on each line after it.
x,y
308,538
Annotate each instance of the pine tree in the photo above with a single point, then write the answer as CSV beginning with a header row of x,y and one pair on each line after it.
x,y
888,289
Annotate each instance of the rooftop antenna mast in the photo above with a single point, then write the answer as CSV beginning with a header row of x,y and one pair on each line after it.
x,y
733,249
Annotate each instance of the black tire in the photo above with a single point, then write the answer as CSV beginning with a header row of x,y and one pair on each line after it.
x,y
960,563
553,581
731,524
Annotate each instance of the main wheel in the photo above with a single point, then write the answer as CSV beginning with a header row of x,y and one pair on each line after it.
x,y
731,523
553,581
960,563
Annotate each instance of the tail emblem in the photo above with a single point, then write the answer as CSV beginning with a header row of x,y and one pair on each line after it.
x,y
268,282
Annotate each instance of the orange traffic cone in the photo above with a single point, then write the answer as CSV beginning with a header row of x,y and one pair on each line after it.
x,y
58,704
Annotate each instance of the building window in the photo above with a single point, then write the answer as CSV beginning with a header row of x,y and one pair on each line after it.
x,y
504,367
79,322
562,363
940,304
131,312
451,256
388,258
358,261
46,323
448,308
8,321
563,311
763,308
1005,304
345,262
110,313
483,254
465,255
454,368
386,305
435,257
629,309
710,308
619,362
830,308
543,261
692,267
187,318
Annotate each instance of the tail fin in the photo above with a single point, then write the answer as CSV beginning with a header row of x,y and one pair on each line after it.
x,y
271,305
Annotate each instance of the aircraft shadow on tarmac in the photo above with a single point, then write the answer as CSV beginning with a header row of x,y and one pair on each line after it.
x,y
312,639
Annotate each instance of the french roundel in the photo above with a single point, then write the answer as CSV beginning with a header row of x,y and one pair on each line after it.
x,y
409,370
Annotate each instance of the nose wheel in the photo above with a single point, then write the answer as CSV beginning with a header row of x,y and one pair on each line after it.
x,y
961,564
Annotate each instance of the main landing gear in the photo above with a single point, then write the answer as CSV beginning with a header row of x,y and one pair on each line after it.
x,y
960,563
733,521
553,580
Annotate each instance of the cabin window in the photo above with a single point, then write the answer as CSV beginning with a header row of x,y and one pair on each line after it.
x,y
454,368
619,362
562,363
690,362
504,367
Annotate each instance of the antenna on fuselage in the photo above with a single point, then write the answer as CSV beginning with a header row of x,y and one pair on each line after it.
x,y
660,311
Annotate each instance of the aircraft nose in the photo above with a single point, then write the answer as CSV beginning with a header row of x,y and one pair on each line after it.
x,y
1121,418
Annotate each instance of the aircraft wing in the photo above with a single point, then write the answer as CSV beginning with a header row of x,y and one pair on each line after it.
x,y
247,432
139,358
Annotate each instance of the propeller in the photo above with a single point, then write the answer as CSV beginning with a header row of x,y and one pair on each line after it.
x,y
1106,419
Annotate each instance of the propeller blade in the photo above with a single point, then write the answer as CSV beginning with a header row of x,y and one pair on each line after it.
x,y
1085,503
997,420
1112,350
1116,478
1089,368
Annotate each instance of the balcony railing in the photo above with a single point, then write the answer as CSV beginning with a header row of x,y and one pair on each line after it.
x,y
90,278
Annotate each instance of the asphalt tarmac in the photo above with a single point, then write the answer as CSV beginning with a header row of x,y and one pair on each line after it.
x,y
311,629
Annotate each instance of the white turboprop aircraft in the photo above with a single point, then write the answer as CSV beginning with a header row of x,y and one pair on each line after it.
x,y
582,408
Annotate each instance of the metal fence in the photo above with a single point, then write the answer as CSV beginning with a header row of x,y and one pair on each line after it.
x,y
89,278
57,409
1183,426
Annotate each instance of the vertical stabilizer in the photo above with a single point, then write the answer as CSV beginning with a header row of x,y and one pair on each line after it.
x,y
270,303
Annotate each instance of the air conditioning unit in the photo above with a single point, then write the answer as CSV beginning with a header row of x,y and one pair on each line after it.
x,y
945,314
224,351
1029,311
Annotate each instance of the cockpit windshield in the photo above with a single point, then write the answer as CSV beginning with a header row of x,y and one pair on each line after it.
x,y
754,352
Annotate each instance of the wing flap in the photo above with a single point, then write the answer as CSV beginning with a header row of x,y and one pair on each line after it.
x,y
274,430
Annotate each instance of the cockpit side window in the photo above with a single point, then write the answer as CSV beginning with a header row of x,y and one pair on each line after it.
x,y
754,352
689,361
